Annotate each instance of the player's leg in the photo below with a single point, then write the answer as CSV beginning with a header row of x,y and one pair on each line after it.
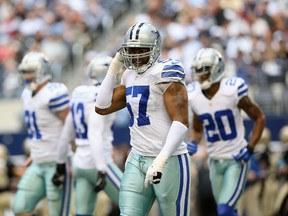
x,y
173,192
135,199
233,184
216,173
113,180
85,196
58,198
31,189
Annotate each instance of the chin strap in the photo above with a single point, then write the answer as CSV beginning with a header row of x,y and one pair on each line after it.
x,y
206,85
31,86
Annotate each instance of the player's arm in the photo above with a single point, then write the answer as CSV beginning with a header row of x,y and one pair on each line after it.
x,y
176,103
67,134
59,101
110,97
96,127
195,135
257,115
197,129
118,101
62,114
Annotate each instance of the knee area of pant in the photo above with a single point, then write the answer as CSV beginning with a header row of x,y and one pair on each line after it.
x,y
225,210
21,208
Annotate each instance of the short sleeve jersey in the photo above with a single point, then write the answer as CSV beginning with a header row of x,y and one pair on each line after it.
x,y
82,107
149,120
220,116
43,125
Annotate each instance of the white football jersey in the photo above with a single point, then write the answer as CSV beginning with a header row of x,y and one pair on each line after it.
x,y
221,118
94,133
43,126
149,120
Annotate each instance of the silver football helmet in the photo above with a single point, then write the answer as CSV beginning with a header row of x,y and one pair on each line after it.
x,y
208,61
37,64
145,37
98,68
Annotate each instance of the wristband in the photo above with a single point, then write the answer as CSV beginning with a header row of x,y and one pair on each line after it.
x,y
175,136
115,65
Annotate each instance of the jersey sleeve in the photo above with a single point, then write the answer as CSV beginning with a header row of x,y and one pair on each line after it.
x,y
242,88
95,136
59,98
67,134
173,71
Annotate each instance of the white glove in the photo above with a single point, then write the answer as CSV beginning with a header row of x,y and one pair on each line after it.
x,y
154,172
116,64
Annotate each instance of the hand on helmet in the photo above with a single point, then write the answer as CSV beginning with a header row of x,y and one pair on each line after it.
x,y
116,64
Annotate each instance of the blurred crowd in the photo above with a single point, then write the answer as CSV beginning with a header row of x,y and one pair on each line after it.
x,y
62,29
251,34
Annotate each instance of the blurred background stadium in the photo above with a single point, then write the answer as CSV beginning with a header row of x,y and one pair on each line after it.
x,y
251,34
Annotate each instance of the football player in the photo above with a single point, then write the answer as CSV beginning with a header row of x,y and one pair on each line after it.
x,y
93,166
46,105
154,92
216,103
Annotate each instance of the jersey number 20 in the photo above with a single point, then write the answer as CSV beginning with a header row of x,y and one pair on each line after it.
x,y
211,123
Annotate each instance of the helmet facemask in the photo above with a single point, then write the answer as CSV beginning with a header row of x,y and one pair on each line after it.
x,y
207,61
140,62
34,70
141,47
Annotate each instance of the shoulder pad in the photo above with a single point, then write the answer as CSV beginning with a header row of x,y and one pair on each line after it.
x,y
59,97
172,71
238,84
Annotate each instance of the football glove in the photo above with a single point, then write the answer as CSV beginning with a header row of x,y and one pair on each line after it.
x,y
244,154
116,64
101,182
192,147
59,176
154,172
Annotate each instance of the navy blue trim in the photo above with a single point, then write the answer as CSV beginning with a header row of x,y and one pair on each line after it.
x,y
242,92
58,105
58,98
188,185
239,87
131,32
178,201
138,30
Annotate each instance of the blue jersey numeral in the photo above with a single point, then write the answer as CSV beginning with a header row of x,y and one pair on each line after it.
x,y
231,81
32,127
144,93
80,126
211,124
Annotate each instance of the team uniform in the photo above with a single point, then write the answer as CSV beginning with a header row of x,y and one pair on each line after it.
x,y
149,126
44,129
94,138
224,131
